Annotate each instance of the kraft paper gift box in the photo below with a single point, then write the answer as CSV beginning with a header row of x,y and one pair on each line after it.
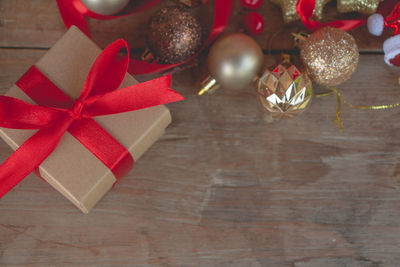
x,y
72,169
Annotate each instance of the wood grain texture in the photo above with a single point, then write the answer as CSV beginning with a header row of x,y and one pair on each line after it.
x,y
37,23
226,186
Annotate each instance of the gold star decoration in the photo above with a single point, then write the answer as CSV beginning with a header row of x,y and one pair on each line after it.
x,y
289,12
289,9
366,7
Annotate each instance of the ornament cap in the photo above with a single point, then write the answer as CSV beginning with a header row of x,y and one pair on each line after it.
x,y
147,55
209,85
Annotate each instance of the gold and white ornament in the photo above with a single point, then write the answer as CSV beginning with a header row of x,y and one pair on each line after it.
x,y
284,92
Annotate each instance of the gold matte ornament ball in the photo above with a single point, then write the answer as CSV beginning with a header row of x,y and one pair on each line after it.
x,y
174,35
330,56
234,60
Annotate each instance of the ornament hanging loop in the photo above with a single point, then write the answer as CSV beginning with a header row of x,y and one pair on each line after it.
x,y
299,38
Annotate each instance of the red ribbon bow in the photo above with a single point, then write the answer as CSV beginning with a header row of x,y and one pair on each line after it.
x,y
57,113
73,12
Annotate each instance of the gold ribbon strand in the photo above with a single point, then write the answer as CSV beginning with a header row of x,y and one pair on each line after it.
x,y
337,120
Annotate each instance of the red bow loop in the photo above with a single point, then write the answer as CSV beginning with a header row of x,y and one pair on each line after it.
x,y
139,96
108,71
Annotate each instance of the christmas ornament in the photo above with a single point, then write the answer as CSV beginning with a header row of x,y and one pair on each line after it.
x,y
284,92
391,48
251,4
74,13
254,23
105,7
289,9
233,61
174,35
376,23
330,56
362,6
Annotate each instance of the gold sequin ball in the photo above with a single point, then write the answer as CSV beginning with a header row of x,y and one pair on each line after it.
x,y
330,56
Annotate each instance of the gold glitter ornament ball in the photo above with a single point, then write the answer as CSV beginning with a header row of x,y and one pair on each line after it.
x,y
330,56
284,92
174,35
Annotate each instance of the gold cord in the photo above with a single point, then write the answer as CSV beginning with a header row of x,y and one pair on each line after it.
x,y
338,121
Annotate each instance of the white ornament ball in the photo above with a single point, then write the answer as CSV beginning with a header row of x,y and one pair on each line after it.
x,y
376,24
105,7
391,48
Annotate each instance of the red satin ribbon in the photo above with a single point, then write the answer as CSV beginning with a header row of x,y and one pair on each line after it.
x,y
57,113
73,12
393,19
305,9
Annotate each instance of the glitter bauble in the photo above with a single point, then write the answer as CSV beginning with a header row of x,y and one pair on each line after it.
x,y
105,7
284,92
330,56
174,35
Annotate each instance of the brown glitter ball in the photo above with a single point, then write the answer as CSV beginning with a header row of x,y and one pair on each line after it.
x,y
330,56
173,35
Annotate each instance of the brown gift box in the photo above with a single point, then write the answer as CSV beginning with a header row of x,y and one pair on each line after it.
x,y
71,169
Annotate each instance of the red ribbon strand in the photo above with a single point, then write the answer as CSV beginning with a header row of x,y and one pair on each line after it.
x,y
305,9
56,114
393,19
74,12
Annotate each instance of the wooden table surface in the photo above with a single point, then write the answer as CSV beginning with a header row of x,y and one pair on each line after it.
x,y
225,186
